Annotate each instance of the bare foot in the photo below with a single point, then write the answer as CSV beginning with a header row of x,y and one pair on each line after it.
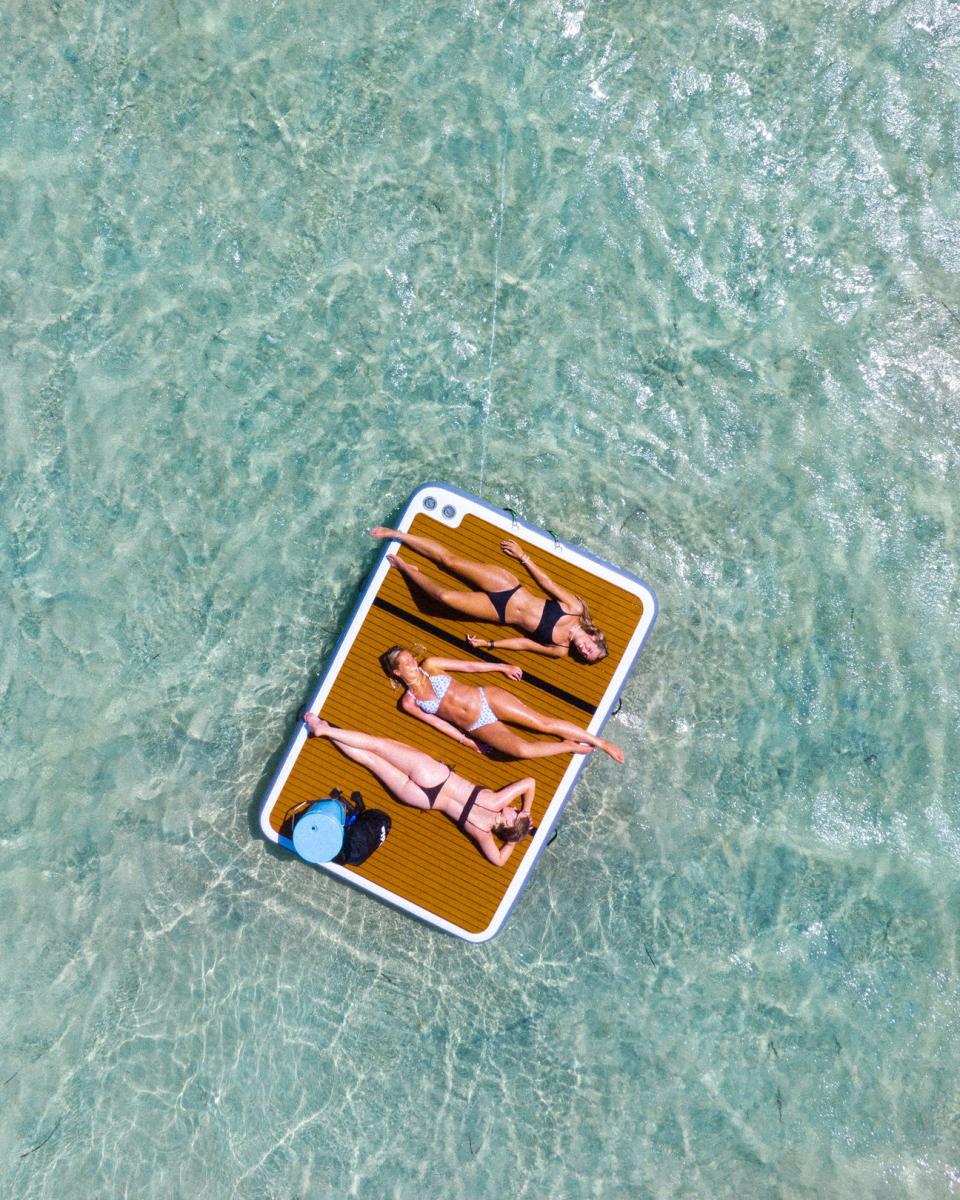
x,y
614,751
317,725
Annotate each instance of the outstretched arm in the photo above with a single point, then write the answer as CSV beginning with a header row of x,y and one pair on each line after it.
x,y
567,600
471,668
410,707
517,643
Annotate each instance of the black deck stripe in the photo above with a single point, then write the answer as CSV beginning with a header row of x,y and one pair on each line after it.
x,y
426,627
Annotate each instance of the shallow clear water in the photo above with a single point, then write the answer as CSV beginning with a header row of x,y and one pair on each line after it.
x,y
681,282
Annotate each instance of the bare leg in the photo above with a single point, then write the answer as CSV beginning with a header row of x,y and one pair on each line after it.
x,y
411,764
487,576
399,785
501,738
508,708
470,604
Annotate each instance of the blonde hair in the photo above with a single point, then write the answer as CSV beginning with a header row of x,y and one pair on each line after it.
x,y
588,626
388,661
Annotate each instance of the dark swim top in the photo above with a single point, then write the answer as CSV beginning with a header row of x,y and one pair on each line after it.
x,y
468,808
500,600
432,793
552,612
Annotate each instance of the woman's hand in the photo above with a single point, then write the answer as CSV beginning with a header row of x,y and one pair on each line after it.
x,y
513,549
511,672
473,640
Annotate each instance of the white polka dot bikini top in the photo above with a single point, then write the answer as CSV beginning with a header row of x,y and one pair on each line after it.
x,y
439,683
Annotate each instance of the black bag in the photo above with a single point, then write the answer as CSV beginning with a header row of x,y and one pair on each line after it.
x,y
365,830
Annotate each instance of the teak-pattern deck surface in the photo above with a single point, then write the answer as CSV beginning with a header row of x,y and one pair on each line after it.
x,y
426,860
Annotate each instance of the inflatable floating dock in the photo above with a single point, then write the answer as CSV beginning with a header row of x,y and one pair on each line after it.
x,y
442,866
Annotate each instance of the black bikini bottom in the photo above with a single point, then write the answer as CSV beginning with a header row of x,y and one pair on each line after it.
x,y
432,793
499,600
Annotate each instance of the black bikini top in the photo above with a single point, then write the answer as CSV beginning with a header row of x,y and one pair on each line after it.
x,y
552,612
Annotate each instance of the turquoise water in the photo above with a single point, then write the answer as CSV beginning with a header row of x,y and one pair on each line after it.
x,y
681,282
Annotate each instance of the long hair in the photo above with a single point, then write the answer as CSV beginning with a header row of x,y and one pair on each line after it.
x,y
524,827
388,661
588,626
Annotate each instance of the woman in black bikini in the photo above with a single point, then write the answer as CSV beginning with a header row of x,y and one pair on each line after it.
x,y
558,626
415,778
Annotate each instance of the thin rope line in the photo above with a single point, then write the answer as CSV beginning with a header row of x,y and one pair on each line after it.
x,y
487,407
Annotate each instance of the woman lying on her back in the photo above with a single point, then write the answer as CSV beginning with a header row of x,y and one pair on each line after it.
x,y
414,778
477,714
559,626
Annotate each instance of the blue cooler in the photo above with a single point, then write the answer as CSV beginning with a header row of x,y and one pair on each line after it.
x,y
318,833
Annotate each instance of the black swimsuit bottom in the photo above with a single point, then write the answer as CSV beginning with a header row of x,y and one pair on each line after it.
x,y
432,793
499,600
